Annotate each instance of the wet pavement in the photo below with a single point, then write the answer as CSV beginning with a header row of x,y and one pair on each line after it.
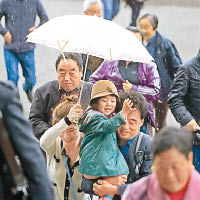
x,y
179,23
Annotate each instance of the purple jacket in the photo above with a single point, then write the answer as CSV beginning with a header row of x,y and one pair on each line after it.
x,y
148,188
149,81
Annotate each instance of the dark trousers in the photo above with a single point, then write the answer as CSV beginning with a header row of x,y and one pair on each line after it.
x,y
161,110
135,7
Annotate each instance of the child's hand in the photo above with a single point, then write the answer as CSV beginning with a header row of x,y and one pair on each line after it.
x,y
127,107
75,113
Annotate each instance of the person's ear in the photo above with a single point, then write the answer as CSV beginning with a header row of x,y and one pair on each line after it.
x,y
190,157
142,122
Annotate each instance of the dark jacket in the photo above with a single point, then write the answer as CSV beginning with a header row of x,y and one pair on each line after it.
x,y
168,61
184,96
20,16
145,168
25,146
45,98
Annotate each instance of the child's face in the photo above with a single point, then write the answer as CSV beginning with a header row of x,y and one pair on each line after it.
x,y
107,104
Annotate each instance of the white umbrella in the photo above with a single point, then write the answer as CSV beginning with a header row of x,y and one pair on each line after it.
x,y
90,35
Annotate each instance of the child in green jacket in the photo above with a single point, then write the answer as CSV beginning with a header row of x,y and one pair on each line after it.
x,y
100,156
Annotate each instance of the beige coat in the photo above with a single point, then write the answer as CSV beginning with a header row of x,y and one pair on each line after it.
x,y
50,142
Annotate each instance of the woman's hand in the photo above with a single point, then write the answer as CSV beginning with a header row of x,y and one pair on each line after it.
x,y
75,113
127,107
127,86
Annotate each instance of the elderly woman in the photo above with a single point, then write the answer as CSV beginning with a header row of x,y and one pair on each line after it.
x,y
174,177
62,141
132,77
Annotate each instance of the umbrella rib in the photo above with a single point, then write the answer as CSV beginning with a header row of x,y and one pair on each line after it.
x,y
61,49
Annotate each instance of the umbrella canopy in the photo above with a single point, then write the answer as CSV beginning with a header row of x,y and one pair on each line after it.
x,y
90,35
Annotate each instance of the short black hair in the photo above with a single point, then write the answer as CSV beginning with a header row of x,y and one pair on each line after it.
x,y
74,56
138,100
136,30
152,18
170,137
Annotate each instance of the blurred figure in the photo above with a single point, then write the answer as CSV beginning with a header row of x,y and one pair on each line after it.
x,y
134,145
173,176
26,148
92,8
20,17
132,76
111,8
184,100
136,6
64,138
49,94
167,59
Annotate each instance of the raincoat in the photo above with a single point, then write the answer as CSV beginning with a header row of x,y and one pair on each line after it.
x,y
100,155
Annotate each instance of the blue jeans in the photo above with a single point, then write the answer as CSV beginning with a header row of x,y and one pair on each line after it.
x,y
26,59
196,158
111,8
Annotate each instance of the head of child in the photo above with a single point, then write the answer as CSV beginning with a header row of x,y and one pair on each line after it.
x,y
135,118
71,134
104,97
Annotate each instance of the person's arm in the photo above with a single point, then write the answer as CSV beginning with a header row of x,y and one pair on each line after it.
x,y
152,89
100,73
37,115
41,13
25,144
3,30
177,95
47,140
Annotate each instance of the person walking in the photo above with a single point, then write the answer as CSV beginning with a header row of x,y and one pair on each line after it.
x,y
136,6
184,101
20,17
26,148
167,59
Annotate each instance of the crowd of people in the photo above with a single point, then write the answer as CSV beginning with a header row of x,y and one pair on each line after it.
x,y
103,146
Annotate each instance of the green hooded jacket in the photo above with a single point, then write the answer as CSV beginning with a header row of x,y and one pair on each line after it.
x,y
100,155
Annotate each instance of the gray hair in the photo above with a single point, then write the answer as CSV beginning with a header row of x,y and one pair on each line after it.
x,y
152,18
88,3
170,137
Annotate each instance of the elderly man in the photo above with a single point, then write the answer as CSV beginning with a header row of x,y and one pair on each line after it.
x,y
92,8
134,145
184,100
69,75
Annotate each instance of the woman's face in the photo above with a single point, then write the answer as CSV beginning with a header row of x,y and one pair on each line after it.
x,y
107,104
172,169
71,134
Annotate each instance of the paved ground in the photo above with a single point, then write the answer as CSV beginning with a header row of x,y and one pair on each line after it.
x,y
179,23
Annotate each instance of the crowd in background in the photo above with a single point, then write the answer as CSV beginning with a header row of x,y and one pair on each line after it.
x,y
102,147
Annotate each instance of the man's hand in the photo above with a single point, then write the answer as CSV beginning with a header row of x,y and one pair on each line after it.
x,y
102,188
31,29
127,86
116,180
8,37
127,107
75,113
192,125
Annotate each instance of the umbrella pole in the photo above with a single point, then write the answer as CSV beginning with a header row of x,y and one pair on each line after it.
x,y
84,73
61,49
